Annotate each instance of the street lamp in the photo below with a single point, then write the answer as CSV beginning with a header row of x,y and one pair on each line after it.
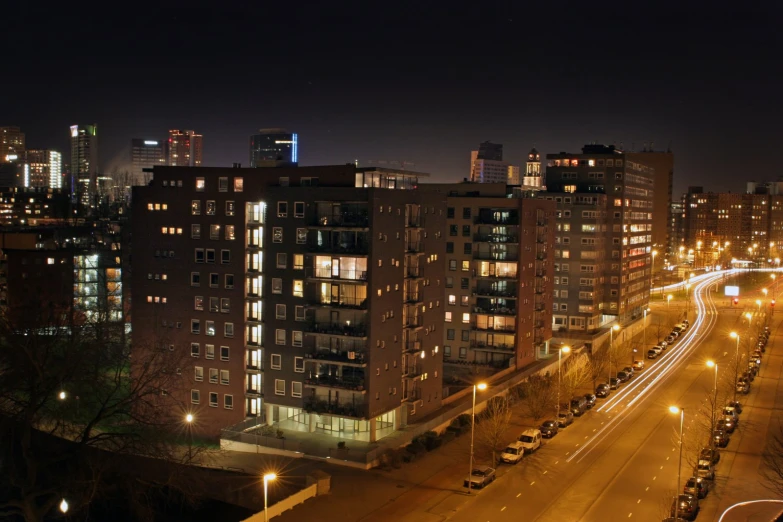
x,y
687,298
652,271
644,334
189,422
735,335
480,386
62,395
612,330
267,478
668,301
713,364
758,302
64,506
681,411
565,349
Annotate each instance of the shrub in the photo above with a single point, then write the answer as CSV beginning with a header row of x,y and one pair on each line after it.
x,y
448,436
463,420
341,444
416,448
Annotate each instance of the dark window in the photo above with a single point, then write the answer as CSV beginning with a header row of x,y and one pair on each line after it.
x,y
449,282
465,230
450,212
449,247
453,264
466,335
453,230
466,213
450,334
463,282
468,248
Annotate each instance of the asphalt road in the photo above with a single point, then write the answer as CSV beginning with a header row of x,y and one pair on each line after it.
x,y
619,461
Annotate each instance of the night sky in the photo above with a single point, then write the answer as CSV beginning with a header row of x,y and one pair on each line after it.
x,y
421,82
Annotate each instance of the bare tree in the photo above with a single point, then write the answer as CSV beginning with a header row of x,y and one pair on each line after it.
x,y
576,373
495,420
773,462
537,396
599,360
69,410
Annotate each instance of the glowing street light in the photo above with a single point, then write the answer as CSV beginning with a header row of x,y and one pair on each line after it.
x,y
62,395
480,386
189,421
675,410
668,301
267,478
713,364
64,506
563,349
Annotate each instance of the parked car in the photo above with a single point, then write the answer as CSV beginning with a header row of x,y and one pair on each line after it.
x,y
548,429
721,438
480,477
705,470
686,322
638,365
669,339
686,506
602,391
530,439
623,377
737,405
513,453
734,411
677,330
658,349
663,344
578,405
652,354
697,486
748,376
590,399
565,419
726,424
743,386
629,371
709,454
613,383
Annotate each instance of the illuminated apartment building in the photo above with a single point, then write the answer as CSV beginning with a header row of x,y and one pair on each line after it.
x,y
184,149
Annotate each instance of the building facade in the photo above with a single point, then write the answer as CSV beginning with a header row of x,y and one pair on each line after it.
x,y
603,242
487,166
84,162
145,154
43,169
12,144
274,147
533,176
662,164
184,149
270,285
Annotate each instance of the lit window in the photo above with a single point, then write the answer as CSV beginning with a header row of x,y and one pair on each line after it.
x,y
199,376
225,305
230,234
466,318
195,231
211,207
230,208
224,377
200,184
209,351
210,329
280,336
298,288
448,317
195,207
277,234
214,231
452,299
198,302
298,262
465,266
239,184
296,338
49,260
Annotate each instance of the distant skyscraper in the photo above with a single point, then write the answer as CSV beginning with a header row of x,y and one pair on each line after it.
x,y
43,169
487,165
274,147
145,154
533,170
663,163
184,148
11,144
84,161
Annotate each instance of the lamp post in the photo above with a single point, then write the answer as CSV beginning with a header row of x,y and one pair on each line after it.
x,y
565,349
64,506
644,331
480,386
735,335
267,477
687,298
668,301
612,330
189,422
713,364
681,411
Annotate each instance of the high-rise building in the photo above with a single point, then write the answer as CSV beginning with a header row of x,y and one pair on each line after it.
x,y
184,149
513,175
270,287
12,144
533,178
487,166
498,278
490,151
145,154
43,169
603,240
274,147
84,162
663,164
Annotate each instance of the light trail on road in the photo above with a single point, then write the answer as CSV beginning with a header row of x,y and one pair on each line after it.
x,y
702,277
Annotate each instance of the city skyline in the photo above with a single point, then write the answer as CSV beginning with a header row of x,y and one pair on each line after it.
x,y
430,106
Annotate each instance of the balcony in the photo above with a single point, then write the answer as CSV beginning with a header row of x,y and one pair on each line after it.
x,y
484,347
413,347
411,372
412,297
357,359
493,292
539,290
321,407
351,303
494,310
343,220
414,222
505,328
415,247
327,328
413,272
540,273
411,396
540,238
253,392
491,219
495,238
495,256
355,248
332,381
254,366
495,275
360,276
413,322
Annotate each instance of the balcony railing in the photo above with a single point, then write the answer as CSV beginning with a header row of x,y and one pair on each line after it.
x,y
413,297
345,220
496,256
494,310
502,275
331,381
414,222
490,292
412,396
358,358
413,322
489,219
413,246
355,303
254,366
327,328
501,347
495,328
342,275
495,238
359,247
313,405
413,272
253,392
411,372
413,346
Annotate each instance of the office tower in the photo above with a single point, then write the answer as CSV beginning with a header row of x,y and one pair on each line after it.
x,y
533,178
145,154
308,298
498,278
663,164
487,165
274,148
490,151
12,144
603,240
184,148
675,232
513,176
84,162
42,169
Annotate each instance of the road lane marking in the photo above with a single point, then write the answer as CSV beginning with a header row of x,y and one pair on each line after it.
x,y
519,495
587,435
558,462
629,515
667,458
647,488
661,467
545,471
503,508
655,478
532,482
639,501
596,428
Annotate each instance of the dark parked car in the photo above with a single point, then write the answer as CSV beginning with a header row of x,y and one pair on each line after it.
x,y
638,365
737,405
623,377
602,391
697,486
548,429
669,339
710,455
726,424
652,354
613,383
721,438
687,507
590,399
629,371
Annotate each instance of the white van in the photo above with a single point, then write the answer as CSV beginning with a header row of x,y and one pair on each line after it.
x,y
513,453
530,440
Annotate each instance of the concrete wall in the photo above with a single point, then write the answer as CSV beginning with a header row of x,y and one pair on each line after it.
x,y
286,504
